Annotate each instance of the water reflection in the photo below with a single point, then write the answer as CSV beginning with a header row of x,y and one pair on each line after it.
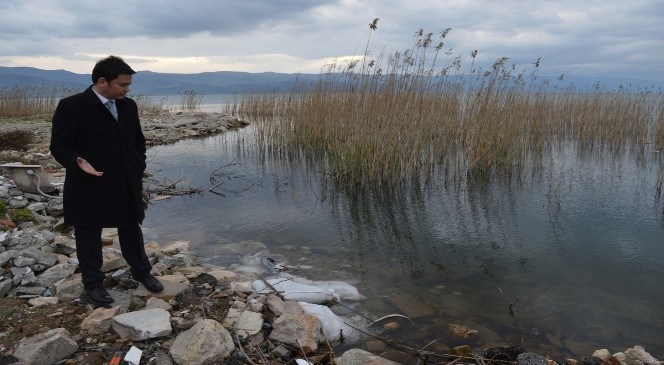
x,y
574,246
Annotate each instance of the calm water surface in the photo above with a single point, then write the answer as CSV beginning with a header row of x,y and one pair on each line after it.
x,y
576,248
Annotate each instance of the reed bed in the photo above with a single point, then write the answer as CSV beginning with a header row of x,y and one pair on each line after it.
x,y
191,101
150,104
384,120
27,101
30,101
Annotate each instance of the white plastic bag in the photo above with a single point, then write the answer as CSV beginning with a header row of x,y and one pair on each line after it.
x,y
342,289
291,290
333,326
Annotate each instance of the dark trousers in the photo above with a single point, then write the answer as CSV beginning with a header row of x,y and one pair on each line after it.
x,y
89,253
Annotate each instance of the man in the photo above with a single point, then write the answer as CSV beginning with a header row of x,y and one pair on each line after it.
x,y
102,147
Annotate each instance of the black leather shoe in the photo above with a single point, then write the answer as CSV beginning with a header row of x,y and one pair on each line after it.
x,y
151,283
99,295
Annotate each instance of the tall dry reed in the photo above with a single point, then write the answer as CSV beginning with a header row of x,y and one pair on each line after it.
x,y
191,101
26,101
385,119
30,101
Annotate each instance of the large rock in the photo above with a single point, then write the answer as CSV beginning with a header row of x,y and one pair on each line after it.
x,y
46,348
113,260
69,289
143,325
45,258
638,353
171,289
244,323
8,255
280,307
207,342
298,331
358,357
54,274
99,321
42,301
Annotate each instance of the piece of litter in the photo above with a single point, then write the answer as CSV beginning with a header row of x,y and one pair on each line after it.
x,y
133,356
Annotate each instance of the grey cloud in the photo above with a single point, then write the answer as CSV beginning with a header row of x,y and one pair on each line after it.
x,y
592,35
153,18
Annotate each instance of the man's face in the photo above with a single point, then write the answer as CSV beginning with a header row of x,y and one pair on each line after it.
x,y
116,88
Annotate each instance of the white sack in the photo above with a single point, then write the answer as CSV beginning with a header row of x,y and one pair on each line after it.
x,y
291,290
333,326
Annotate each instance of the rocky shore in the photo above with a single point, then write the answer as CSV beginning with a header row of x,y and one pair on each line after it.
x,y
255,313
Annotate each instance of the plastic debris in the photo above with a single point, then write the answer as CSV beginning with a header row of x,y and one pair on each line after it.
x,y
133,356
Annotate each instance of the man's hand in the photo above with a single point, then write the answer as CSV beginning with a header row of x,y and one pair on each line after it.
x,y
84,165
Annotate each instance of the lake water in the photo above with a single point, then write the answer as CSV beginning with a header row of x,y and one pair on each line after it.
x,y
575,250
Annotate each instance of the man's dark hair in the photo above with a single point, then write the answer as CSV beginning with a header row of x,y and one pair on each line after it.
x,y
109,68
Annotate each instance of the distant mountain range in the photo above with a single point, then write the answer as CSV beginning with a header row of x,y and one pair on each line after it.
x,y
154,83
231,82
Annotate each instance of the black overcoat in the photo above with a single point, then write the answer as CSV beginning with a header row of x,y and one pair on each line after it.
x,y
83,126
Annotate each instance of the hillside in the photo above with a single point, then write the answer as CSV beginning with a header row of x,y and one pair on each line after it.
x,y
232,82
153,83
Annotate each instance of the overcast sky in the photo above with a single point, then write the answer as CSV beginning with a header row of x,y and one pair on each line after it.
x,y
616,38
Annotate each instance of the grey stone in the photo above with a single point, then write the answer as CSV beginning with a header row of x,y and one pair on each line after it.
x,y
65,248
35,198
143,325
5,286
47,259
207,342
8,255
55,208
158,303
46,348
18,273
30,290
171,289
280,307
55,273
23,261
113,260
359,357
36,207
18,202
42,301
528,358
70,288
99,321
281,351
638,353
48,236
175,248
299,331
245,323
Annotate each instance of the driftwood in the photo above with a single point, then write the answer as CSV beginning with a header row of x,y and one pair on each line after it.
x,y
154,189
219,177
